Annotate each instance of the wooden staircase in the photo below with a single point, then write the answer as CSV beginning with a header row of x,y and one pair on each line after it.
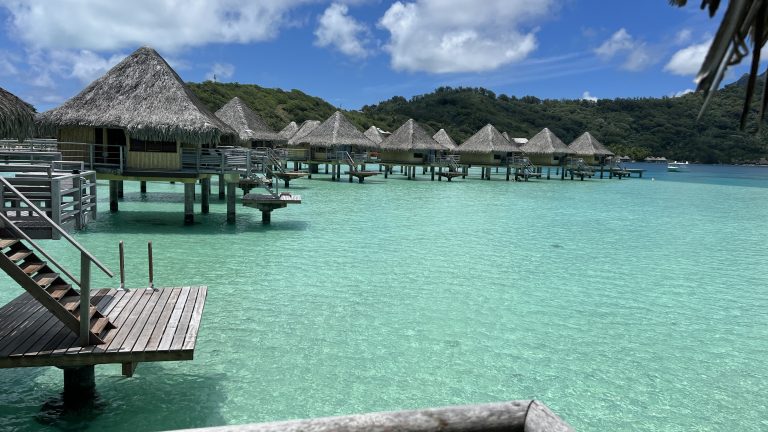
x,y
50,289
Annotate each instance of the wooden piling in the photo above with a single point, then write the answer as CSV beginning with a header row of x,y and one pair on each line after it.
x,y
432,173
231,190
113,196
205,192
120,189
222,186
143,187
189,203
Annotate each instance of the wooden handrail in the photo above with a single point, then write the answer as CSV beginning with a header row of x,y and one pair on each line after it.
x,y
56,227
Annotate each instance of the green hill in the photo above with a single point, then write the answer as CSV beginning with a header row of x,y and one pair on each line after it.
x,y
637,127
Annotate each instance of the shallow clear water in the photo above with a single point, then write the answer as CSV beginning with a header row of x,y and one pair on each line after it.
x,y
638,304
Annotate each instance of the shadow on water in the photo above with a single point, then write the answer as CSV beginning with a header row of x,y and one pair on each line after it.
x,y
150,400
165,223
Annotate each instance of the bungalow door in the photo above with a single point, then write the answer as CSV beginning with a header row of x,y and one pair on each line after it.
x,y
115,144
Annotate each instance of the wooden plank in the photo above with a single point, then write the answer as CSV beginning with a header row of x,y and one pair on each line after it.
x,y
15,312
131,321
27,332
117,315
178,338
162,321
194,323
50,335
152,321
141,321
101,300
136,301
173,321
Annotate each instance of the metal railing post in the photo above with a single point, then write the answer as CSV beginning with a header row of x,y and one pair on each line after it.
x,y
122,159
151,267
85,298
122,265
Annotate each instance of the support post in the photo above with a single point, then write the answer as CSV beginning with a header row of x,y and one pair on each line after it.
x,y
189,203
79,216
432,173
231,202
120,193
85,299
222,186
113,196
79,385
266,216
143,187
386,171
206,195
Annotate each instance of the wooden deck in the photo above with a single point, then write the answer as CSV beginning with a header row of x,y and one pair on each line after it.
x,y
152,325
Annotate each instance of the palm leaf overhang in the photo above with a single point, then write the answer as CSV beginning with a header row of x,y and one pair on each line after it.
x,y
743,19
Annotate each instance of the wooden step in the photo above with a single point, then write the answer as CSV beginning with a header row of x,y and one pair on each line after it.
x,y
4,243
91,312
19,255
70,303
32,267
58,291
100,325
45,279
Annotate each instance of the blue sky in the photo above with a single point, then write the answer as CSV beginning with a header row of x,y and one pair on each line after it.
x,y
359,52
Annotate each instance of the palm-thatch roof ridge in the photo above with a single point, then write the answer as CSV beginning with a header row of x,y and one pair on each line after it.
x,y
246,122
373,134
445,140
587,145
306,127
487,140
288,131
146,97
337,130
546,142
17,117
410,137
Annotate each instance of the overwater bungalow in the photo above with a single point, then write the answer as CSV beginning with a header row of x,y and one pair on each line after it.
x,y
546,149
487,148
410,145
288,131
338,142
252,130
17,118
588,148
140,122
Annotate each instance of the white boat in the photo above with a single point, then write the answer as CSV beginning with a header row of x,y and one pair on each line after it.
x,y
677,166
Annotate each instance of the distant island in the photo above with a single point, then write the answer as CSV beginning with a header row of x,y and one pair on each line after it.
x,y
638,128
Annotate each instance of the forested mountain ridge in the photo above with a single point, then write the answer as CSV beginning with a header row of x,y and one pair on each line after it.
x,y
636,127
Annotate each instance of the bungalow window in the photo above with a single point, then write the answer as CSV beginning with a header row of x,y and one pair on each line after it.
x,y
153,146
418,155
497,157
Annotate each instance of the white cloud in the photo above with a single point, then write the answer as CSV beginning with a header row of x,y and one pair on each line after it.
x,y
636,54
86,65
588,97
683,36
340,31
220,72
687,61
7,66
168,25
443,36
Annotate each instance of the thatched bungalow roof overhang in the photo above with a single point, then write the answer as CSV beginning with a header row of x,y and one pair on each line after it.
x,y
487,140
143,95
587,145
306,127
374,135
336,131
445,140
410,137
246,122
17,117
288,131
546,143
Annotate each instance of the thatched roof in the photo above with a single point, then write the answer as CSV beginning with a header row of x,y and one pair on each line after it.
x,y
410,136
16,116
288,131
249,125
445,140
337,131
587,145
374,135
145,96
304,130
487,140
546,142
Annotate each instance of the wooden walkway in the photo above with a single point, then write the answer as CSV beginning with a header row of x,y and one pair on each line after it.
x,y
152,325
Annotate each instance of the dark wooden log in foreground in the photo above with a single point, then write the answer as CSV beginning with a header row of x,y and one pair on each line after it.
x,y
521,415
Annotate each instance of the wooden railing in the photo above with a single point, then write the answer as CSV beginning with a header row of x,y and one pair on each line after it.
x,y
68,198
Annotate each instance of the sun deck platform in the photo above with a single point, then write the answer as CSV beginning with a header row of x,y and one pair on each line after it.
x,y
152,325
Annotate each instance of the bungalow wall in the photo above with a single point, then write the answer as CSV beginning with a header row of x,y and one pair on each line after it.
x,y
545,159
166,160
481,158
403,156
75,152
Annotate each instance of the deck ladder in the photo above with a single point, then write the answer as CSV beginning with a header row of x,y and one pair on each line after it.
x,y
33,269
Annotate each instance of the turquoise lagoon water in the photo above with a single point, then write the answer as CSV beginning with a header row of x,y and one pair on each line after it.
x,y
638,304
